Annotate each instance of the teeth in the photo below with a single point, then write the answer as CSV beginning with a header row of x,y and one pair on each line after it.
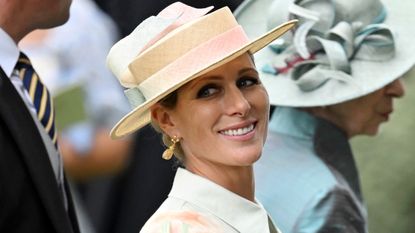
x,y
238,132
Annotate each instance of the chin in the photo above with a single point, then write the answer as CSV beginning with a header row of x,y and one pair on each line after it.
x,y
371,132
247,157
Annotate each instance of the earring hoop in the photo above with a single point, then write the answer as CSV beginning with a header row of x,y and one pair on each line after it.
x,y
168,153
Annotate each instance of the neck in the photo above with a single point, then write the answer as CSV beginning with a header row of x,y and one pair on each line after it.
x,y
13,20
237,179
331,116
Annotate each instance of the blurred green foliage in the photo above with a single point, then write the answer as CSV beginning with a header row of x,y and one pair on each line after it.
x,y
387,168
69,106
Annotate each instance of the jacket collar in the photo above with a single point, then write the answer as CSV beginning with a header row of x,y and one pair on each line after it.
x,y
330,143
238,212
293,122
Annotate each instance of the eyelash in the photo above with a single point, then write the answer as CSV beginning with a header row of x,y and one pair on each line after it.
x,y
254,81
202,93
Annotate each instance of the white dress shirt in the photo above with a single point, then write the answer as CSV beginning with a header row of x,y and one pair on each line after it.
x,y
224,209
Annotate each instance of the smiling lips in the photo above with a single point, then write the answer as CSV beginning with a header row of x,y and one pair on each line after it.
x,y
238,131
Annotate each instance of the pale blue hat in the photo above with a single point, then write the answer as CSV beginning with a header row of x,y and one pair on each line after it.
x,y
340,50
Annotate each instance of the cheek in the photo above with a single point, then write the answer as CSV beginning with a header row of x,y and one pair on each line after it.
x,y
259,101
260,105
369,113
370,108
199,138
198,122
364,121
372,124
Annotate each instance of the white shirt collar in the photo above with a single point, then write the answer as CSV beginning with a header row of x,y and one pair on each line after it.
x,y
9,53
240,213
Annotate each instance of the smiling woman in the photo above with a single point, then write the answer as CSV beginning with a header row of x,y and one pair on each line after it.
x,y
233,106
192,75
335,77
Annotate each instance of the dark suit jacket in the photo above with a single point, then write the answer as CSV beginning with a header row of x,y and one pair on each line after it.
x,y
30,200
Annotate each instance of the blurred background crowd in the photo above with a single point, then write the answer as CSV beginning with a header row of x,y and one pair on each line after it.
x,y
112,193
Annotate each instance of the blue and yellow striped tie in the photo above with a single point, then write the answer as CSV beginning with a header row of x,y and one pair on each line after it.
x,y
39,95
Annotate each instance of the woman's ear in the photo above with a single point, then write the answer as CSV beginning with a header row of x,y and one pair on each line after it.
x,y
163,117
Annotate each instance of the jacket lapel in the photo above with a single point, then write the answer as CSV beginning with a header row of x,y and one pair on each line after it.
x,y
15,113
332,146
71,207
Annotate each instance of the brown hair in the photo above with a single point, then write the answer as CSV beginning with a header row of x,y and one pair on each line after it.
x,y
169,102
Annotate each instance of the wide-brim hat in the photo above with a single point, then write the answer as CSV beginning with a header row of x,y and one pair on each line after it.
x,y
340,49
168,50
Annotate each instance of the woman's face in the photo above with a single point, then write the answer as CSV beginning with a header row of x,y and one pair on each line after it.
x,y
221,117
365,114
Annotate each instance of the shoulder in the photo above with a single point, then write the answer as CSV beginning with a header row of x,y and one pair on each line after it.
x,y
289,177
180,221
334,211
289,165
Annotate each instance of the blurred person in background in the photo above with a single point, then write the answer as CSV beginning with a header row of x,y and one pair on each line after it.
x,y
71,61
73,56
335,77
34,193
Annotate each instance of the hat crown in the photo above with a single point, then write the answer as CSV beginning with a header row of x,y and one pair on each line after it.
x,y
338,31
366,12
173,48
146,35
340,49
179,42
326,13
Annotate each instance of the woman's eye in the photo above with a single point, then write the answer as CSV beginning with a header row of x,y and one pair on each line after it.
x,y
207,91
247,82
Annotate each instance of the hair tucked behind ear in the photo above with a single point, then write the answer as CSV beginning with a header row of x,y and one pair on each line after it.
x,y
170,103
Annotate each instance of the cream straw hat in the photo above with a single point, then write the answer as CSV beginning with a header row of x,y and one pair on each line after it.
x,y
168,50
340,49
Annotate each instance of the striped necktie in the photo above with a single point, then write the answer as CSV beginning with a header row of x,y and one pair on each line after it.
x,y
38,94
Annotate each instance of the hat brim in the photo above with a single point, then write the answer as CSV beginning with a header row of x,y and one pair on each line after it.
x,y
141,116
368,76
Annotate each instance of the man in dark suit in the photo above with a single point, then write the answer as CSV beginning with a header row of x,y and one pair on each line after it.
x,y
34,196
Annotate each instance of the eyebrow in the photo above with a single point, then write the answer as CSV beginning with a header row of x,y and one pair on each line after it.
x,y
215,77
247,69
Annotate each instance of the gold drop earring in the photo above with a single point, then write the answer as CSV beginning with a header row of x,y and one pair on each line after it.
x,y
168,153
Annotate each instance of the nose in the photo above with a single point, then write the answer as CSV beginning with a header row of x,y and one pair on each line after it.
x,y
236,103
395,89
